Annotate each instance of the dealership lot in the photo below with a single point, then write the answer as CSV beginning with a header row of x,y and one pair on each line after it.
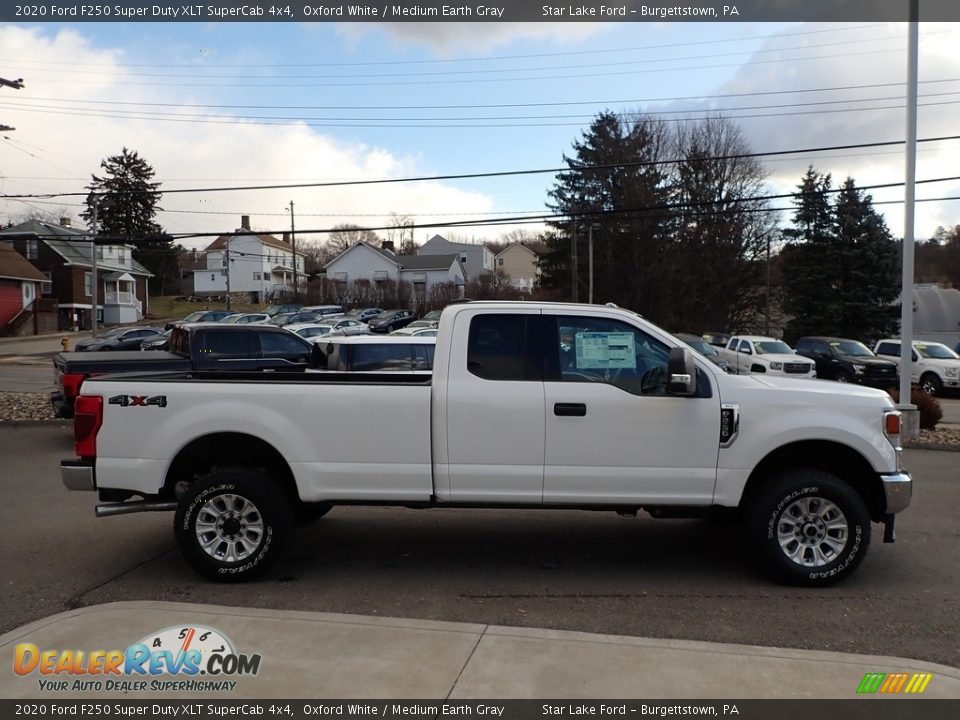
x,y
570,570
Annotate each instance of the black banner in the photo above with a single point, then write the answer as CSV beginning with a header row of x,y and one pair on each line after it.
x,y
865,709
475,11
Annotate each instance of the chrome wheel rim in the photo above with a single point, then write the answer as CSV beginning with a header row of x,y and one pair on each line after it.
x,y
812,532
229,528
929,387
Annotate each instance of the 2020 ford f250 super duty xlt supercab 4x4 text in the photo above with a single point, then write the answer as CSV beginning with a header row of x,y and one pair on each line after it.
x,y
534,405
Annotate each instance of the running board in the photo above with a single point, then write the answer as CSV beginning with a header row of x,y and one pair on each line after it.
x,y
125,508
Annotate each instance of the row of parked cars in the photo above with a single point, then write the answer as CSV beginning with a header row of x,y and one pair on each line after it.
x,y
935,368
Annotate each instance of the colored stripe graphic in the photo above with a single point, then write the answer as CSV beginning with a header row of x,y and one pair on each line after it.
x,y
893,683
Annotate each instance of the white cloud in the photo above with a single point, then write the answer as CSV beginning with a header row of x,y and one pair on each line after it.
x,y
462,39
48,146
818,126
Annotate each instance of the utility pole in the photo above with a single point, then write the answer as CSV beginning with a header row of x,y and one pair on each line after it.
x,y
574,270
590,262
92,200
293,245
226,265
767,314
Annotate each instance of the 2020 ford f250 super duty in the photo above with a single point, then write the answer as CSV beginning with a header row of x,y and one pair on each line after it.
x,y
534,405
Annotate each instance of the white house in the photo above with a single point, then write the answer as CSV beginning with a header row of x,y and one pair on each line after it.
x,y
475,258
363,261
259,264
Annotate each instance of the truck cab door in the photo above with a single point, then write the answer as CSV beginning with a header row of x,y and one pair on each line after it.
x,y
283,352
613,433
488,431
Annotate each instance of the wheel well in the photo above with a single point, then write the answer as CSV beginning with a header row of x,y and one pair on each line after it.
x,y
833,457
227,449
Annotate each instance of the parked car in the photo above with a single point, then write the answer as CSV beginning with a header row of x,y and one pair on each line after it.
x,y
363,314
373,353
390,320
706,349
718,340
246,319
160,342
192,347
298,318
749,354
200,316
121,338
324,310
277,309
415,329
337,326
846,360
432,317
639,421
934,367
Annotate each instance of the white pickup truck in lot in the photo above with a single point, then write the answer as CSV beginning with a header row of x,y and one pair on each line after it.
x,y
530,405
753,354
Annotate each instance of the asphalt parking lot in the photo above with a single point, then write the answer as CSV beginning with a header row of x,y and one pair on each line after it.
x,y
568,570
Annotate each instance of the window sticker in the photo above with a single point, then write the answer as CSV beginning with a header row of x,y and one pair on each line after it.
x,y
600,350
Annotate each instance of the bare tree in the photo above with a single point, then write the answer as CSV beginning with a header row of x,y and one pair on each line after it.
x,y
346,235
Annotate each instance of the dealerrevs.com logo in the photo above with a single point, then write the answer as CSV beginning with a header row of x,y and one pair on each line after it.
x,y
181,658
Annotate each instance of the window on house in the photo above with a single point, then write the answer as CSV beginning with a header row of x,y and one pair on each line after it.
x,y
46,287
213,277
122,255
500,261
463,259
88,284
256,276
33,249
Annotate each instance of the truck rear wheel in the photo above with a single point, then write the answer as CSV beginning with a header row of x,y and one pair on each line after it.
x,y
812,528
231,523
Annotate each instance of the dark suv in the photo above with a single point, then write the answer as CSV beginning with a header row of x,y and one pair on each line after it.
x,y
846,360
390,320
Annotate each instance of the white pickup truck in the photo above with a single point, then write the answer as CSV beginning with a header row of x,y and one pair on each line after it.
x,y
537,405
754,354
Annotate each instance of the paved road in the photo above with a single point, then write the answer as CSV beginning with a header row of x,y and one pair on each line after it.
x,y
568,570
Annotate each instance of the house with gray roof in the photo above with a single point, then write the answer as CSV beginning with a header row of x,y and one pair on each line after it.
x,y
367,262
64,256
475,258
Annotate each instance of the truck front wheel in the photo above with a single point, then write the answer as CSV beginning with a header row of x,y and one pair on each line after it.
x,y
812,528
231,523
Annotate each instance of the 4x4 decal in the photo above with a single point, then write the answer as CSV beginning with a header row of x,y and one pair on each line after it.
x,y
138,400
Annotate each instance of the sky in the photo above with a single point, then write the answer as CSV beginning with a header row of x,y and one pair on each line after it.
x,y
225,105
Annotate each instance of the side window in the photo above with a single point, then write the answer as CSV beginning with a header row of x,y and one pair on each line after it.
x,y
732,345
806,346
423,357
887,349
281,344
745,347
389,356
505,347
216,343
612,352
820,348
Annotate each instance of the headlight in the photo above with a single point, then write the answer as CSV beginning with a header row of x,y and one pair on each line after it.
x,y
776,366
858,369
951,372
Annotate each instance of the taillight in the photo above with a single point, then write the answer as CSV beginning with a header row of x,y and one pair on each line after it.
x,y
71,384
87,419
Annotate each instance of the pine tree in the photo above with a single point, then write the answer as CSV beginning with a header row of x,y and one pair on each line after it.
x,y
127,204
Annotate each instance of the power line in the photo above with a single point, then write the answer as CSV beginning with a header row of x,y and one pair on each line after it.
x,y
467,59
506,173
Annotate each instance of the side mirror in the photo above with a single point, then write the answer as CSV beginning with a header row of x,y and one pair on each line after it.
x,y
681,372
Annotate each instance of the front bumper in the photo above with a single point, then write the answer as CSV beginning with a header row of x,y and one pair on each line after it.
x,y
881,383
897,489
77,475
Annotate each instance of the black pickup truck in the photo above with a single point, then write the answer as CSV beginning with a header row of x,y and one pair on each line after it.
x,y
196,346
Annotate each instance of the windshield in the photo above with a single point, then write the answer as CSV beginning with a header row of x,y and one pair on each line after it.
x,y
850,347
772,347
935,351
194,316
114,332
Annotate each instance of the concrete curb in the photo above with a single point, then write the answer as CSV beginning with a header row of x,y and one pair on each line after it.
x,y
327,655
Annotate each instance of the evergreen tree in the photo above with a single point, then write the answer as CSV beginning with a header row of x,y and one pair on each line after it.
x,y
841,264
127,204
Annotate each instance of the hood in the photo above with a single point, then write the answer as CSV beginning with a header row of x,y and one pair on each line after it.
x,y
941,362
860,360
825,392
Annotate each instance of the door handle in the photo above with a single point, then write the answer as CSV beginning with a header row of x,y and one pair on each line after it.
x,y
570,409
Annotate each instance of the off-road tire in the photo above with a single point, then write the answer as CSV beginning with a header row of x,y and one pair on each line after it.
x,y
810,527
245,516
